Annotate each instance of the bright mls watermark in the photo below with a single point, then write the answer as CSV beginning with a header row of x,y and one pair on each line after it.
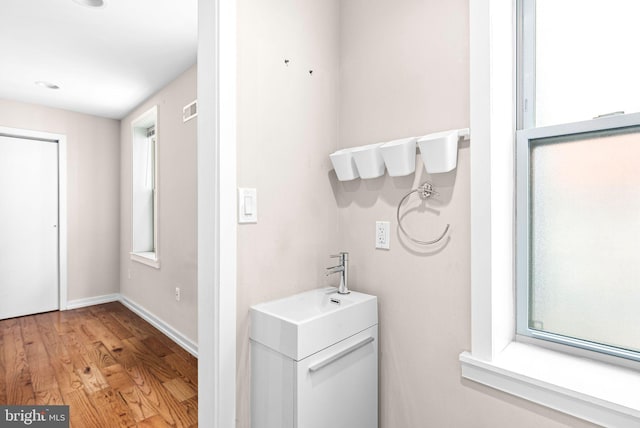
x,y
34,416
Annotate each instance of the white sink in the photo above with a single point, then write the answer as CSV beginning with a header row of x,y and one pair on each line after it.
x,y
303,324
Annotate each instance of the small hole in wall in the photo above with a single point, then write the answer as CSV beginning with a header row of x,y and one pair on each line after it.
x,y
311,72
286,62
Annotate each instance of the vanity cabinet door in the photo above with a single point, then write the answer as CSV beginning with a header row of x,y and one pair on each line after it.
x,y
338,386
272,388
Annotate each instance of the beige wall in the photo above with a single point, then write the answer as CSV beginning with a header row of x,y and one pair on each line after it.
x,y
151,288
93,192
287,125
404,72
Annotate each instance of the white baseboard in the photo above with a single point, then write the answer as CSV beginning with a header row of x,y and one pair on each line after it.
x,y
186,343
90,301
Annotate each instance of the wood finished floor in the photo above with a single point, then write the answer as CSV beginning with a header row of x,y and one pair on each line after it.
x,y
110,366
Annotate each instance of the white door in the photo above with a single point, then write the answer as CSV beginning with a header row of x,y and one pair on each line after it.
x,y
28,226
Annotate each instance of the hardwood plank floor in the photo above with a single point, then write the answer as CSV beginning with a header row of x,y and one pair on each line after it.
x,y
110,366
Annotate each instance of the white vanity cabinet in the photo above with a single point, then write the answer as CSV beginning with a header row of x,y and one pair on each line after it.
x,y
315,384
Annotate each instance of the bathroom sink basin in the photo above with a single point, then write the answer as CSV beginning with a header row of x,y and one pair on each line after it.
x,y
303,324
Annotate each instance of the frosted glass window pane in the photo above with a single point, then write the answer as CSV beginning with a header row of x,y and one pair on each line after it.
x,y
585,237
586,59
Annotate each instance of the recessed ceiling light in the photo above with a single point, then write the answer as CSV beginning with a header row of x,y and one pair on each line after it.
x,y
47,85
90,3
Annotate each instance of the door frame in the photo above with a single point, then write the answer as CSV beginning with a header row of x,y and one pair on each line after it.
x,y
217,240
61,140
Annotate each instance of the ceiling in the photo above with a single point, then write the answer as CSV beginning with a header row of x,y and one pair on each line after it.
x,y
105,60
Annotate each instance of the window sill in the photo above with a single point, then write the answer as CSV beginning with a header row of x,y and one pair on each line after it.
x,y
146,258
591,390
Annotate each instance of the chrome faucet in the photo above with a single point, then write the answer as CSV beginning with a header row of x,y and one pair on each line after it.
x,y
343,268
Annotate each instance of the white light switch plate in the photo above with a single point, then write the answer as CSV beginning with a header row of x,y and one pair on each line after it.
x,y
247,205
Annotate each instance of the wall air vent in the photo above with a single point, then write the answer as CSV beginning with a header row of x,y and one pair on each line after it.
x,y
190,111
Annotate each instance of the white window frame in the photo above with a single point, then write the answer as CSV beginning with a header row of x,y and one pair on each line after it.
x,y
605,353
585,388
144,121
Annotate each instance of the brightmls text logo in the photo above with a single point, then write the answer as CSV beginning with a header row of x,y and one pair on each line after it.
x,y
34,416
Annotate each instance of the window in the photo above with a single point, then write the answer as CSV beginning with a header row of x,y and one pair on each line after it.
x,y
578,59
605,394
578,219
144,189
578,234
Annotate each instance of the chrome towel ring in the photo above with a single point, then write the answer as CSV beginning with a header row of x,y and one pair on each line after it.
x,y
425,191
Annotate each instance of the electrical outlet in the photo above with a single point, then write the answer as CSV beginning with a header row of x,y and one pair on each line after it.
x,y
178,294
382,235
